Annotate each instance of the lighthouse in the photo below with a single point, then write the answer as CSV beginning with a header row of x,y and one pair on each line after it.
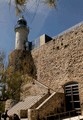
x,y
22,31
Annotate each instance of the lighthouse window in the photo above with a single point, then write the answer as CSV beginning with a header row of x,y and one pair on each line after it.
x,y
22,22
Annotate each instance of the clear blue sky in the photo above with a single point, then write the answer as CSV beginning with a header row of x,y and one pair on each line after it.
x,y
45,21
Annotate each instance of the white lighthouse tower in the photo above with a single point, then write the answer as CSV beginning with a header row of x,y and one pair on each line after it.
x,y
22,32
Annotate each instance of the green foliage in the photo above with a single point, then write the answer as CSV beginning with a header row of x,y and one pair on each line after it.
x,y
2,59
2,106
15,82
14,76
14,86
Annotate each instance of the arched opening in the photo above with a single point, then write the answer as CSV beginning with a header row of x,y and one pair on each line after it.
x,y
72,96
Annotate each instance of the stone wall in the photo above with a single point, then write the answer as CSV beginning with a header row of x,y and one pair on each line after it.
x,y
33,89
61,60
23,113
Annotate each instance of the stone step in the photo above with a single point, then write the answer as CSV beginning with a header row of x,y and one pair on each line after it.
x,y
24,119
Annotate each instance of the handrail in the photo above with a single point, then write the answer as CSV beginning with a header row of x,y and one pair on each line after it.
x,y
43,103
47,87
64,113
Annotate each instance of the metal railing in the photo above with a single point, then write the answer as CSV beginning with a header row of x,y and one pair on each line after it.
x,y
64,115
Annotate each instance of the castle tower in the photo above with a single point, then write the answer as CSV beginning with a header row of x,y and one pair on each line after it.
x,y
22,32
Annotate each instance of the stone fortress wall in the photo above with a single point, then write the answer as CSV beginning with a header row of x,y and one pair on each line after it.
x,y
61,60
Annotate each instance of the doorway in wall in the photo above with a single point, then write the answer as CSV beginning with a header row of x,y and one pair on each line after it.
x,y
72,97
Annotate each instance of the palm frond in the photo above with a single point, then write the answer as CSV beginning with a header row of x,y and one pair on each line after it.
x,y
51,3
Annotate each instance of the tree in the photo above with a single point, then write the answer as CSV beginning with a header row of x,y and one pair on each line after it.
x,y
14,82
20,5
2,66
2,106
2,57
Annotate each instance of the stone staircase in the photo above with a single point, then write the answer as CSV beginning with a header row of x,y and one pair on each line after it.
x,y
34,107
24,105
21,108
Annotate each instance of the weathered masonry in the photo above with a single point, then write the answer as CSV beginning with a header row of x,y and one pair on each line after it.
x,y
59,65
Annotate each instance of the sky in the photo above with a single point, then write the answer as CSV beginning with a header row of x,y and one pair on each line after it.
x,y
40,18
